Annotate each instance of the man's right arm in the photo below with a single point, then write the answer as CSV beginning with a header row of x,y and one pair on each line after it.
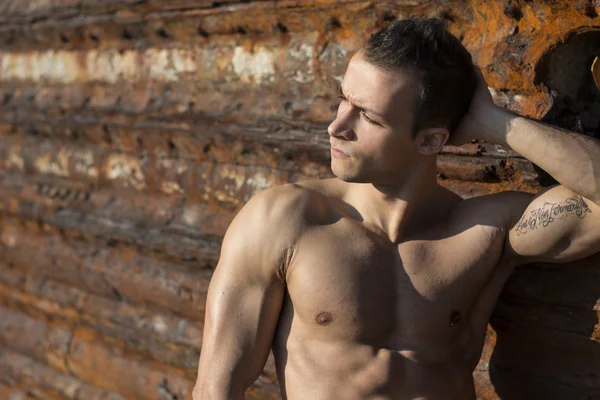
x,y
246,293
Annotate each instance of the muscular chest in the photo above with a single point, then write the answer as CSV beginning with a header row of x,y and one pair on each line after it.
x,y
347,284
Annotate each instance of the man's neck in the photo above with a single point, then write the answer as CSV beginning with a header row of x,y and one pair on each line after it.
x,y
399,210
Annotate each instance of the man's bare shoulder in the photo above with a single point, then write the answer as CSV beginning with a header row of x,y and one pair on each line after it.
x,y
486,220
294,202
288,209
264,233
497,209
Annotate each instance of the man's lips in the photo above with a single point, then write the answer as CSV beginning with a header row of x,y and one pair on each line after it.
x,y
338,153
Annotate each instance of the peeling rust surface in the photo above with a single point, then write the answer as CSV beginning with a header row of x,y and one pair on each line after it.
x,y
131,132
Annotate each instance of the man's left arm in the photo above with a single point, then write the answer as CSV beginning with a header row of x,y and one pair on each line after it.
x,y
562,223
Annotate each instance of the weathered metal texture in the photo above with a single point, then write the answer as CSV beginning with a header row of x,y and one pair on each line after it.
x,y
132,131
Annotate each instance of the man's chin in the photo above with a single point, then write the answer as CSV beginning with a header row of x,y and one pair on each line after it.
x,y
350,178
351,175
359,176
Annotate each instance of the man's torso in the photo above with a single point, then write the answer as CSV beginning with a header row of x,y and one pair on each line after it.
x,y
365,318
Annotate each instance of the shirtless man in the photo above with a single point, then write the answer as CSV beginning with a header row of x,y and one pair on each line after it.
x,y
379,284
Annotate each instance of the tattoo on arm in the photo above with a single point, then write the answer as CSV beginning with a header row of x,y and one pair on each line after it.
x,y
573,207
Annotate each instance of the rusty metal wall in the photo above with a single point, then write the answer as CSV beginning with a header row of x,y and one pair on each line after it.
x,y
131,132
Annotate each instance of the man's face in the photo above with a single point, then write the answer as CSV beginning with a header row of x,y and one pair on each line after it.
x,y
371,136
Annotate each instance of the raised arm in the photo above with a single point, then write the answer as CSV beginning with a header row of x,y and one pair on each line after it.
x,y
246,293
563,222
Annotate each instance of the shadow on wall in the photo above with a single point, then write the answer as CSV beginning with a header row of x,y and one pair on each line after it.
x,y
548,333
566,72
547,320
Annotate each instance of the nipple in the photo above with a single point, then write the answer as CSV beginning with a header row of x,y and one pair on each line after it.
x,y
454,318
324,318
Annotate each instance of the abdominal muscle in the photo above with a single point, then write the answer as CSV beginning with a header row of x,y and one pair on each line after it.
x,y
312,369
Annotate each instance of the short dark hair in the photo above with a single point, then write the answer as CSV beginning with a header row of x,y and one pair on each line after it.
x,y
447,77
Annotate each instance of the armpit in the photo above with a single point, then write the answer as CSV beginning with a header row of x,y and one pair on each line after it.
x,y
284,269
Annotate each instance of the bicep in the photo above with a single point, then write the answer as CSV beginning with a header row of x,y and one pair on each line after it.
x,y
242,310
245,296
555,226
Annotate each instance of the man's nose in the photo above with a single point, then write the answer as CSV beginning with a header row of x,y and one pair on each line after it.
x,y
340,127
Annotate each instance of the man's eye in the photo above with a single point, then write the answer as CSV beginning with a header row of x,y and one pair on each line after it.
x,y
369,120
341,97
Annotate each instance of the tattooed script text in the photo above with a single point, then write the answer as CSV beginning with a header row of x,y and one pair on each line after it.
x,y
549,212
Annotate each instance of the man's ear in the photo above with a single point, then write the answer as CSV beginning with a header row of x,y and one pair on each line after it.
x,y
431,140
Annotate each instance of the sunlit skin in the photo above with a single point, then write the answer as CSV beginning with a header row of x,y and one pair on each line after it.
x,y
374,127
374,130
378,284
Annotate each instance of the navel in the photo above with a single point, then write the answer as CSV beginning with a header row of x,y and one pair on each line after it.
x,y
454,318
324,318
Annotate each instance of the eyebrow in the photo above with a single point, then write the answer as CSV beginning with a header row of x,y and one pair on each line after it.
x,y
358,104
